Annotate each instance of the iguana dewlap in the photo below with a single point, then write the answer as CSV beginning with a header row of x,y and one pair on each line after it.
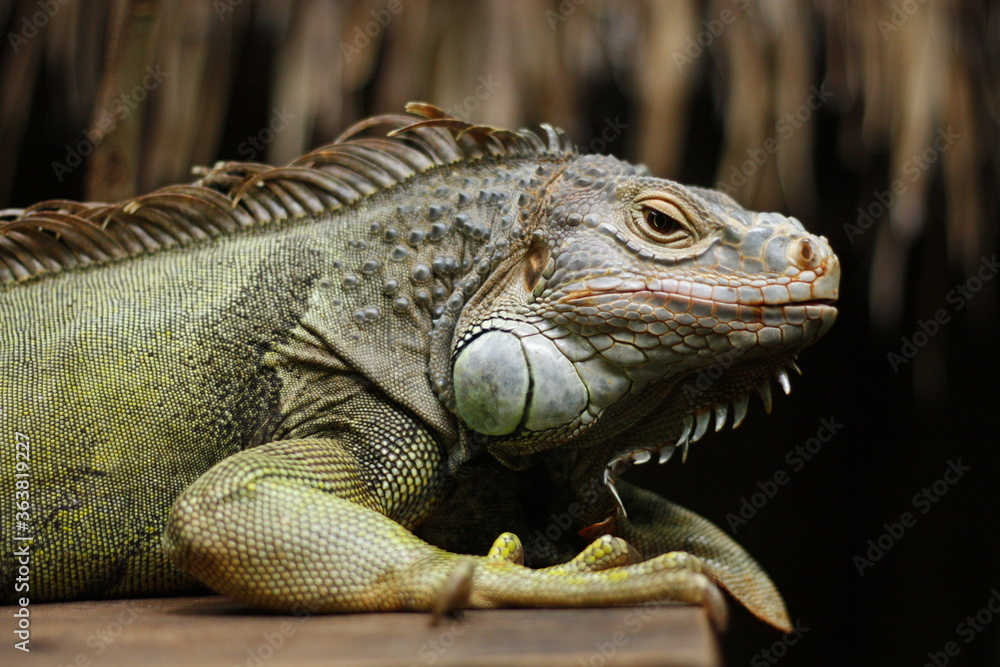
x,y
323,386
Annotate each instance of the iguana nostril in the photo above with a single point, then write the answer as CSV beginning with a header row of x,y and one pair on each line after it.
x,y
804,255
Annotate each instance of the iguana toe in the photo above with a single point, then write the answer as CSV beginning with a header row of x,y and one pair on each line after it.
x,y
507,547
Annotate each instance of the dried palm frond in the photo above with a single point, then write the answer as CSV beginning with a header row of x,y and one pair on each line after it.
x,y
886,78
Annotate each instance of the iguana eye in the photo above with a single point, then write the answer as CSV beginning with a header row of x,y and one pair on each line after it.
x,y
663,222
660,222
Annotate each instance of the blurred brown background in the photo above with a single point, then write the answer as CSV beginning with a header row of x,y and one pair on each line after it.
x,y
875,122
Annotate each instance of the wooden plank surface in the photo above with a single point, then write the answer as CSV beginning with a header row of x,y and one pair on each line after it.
x,y
216,631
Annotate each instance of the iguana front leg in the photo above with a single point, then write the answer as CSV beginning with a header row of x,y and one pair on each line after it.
x,y
293,525
656,526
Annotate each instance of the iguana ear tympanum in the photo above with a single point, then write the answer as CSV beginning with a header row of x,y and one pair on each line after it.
x,y
332,385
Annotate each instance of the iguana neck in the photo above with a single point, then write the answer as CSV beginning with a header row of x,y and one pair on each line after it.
x,y
399,268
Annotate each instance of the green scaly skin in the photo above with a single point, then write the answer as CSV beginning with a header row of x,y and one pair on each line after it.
x,y
330,387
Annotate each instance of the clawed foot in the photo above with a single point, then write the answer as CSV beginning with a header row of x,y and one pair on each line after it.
x,y
608,572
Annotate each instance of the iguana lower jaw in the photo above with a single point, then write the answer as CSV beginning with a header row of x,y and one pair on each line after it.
x,y
706,397
723,396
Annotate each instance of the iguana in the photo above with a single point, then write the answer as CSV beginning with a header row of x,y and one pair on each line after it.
x,y
332,385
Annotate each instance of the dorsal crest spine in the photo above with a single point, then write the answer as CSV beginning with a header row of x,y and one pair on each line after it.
x,y
55,235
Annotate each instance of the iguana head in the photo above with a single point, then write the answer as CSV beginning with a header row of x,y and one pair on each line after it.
x,y
635,302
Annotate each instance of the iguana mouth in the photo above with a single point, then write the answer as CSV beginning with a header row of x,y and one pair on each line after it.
x,y
821,288
588,296
823,303
694,425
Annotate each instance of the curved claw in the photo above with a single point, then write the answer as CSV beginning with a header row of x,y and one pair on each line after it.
x,y
456,591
